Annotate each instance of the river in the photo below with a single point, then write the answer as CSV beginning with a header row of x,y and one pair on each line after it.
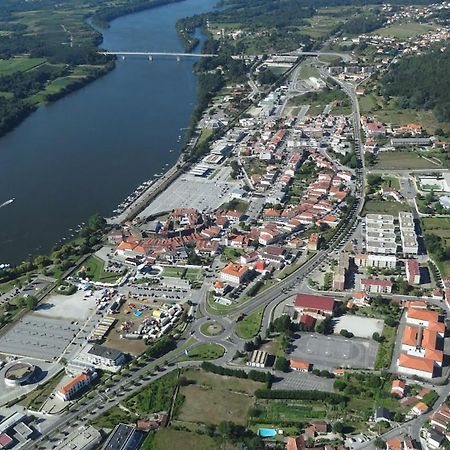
x,y
88,151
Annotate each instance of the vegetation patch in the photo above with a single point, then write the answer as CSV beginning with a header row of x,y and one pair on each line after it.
x,y
249,326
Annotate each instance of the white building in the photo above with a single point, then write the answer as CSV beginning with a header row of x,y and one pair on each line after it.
x,y
378,261
408,233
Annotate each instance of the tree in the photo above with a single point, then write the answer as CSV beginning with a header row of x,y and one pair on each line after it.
x,y
281,364
338,427
31,302
379,443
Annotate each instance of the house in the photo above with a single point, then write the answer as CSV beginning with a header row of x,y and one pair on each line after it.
x,y
295,443
376,285
435,438
313,242
394,444
300,366
319,426
419,409
398,388
76,384
316,306
382,414
234,273
412,271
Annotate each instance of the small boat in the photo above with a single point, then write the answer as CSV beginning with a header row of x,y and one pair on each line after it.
x,y
8,202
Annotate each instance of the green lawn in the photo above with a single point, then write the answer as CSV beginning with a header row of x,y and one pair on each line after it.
x,y
391,182
231,253
386,348
403,160
95,271
187,273
35,399
307,71
404,30
19,64
204,351
383,207
249,326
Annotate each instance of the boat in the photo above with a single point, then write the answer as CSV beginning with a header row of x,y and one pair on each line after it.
x,y
8,202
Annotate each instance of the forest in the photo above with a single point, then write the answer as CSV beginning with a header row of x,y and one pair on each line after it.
x,y
421,82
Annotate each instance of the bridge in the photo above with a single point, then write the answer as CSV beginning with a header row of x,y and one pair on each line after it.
x,y
152,54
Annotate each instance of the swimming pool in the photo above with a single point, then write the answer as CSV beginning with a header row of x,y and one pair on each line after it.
x,y
267,432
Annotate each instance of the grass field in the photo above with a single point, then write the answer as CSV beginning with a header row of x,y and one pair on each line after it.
x,y
95,270
383,207
403,160
439,226
215,398
19,64
164,440
404,30
307,71
386,348
250,325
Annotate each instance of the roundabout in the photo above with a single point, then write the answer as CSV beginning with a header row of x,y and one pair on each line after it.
x,y
211,328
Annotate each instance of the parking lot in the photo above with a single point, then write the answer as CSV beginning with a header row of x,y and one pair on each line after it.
x,y
304,381
38,337
329,352
189,191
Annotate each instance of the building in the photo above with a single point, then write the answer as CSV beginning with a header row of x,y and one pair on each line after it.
x,y
300,366
376,286
380,234
313,242
124,437
382,414
398,388
258,358
408,236
412,141
435,438
97,356
419,409
378,261
295,443
78,382
340,272
234,273
412,271
317,306
86,438
421,343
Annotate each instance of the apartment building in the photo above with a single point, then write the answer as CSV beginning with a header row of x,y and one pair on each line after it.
x,y
377,261
408,233
380,234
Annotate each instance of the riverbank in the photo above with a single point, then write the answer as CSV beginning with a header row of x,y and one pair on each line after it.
x,y
87,151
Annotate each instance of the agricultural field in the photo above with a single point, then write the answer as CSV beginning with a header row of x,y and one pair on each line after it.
x,y
19,64
404,30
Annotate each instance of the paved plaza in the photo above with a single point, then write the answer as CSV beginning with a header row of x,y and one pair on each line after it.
x,y
38,337
363,327
334,351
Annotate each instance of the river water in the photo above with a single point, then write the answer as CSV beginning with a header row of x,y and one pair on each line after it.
x,y
86,152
